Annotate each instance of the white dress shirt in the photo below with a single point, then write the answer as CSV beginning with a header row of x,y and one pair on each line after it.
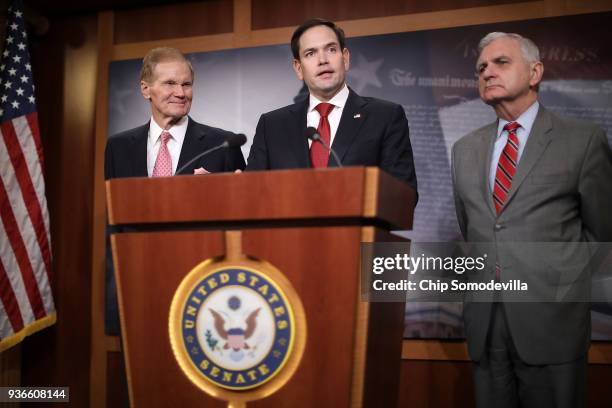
x,y
313,116
175,143
526,121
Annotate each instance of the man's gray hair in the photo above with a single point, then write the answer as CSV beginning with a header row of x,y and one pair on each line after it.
x,y
158,55
530,51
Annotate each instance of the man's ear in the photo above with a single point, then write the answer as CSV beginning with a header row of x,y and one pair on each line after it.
x,y
535,76
297,67
144,90
346,57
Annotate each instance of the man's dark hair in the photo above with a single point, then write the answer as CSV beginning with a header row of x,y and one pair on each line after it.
x,y
313,22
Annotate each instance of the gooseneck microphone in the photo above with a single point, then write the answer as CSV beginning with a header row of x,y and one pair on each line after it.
x,y
232,140
312,134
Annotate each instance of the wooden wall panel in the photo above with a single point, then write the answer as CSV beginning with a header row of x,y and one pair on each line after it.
x,y
281,13
100,369
175,20
64,73
116,382
599,395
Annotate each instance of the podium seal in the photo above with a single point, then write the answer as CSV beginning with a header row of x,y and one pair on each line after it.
x,y
237,329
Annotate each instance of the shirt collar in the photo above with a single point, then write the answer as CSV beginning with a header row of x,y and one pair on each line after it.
x,y
526,120
177,130
339,100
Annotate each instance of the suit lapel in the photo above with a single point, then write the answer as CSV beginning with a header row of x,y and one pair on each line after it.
x,y
192,145
139,152
297,140
349,125
537,141
487,138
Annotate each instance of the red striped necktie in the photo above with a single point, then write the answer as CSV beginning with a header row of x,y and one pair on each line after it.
x,y
506,167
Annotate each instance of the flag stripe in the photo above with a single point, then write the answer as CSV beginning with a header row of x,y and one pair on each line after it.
x,y
9,304
32,182
21,254
27,216
32,119
6,329
39,172
15,280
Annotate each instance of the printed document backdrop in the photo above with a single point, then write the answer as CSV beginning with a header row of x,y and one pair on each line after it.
x,y
432,75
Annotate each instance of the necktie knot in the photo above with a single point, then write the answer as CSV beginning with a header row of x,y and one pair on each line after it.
x,y
511,127
324,109
165,136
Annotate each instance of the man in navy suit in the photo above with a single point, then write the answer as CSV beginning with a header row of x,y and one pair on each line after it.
x,y
166,80
171,138
363,131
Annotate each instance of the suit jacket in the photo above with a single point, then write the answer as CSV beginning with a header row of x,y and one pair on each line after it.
x,y
562,194
126,153
372,132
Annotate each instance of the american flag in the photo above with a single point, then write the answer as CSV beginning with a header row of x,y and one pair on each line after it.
x,y
26,300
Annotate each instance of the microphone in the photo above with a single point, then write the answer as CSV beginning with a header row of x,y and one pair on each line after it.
x,y
235,140
312,134
231,140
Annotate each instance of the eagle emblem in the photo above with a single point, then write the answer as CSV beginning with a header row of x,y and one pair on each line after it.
x,y
235,337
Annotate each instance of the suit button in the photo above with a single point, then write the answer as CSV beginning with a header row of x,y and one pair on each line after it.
x,y
498,227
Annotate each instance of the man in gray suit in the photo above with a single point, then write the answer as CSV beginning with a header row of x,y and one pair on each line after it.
x,y
531,176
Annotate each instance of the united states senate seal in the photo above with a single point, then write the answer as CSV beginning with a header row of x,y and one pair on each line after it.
x,y
232,326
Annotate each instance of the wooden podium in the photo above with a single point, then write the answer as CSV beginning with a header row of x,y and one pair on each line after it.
x,y
307,223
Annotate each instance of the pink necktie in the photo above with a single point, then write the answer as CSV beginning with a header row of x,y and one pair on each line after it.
x,y
319,156
163,163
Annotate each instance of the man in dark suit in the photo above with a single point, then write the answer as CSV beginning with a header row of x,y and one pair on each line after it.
x,y
171,138
363,131
166,143
531,176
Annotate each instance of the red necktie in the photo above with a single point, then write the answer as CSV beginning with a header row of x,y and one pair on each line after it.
x,y
319,155
506,167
